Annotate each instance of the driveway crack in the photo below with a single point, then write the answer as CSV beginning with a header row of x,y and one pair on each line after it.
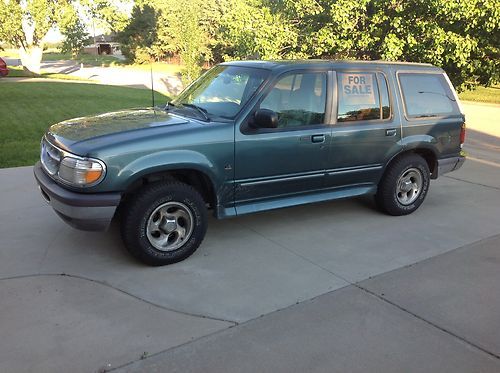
x,y
56,236
123,292
447,331
471,182
385,300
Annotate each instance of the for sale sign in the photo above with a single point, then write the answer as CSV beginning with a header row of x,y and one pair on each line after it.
x,y
357,89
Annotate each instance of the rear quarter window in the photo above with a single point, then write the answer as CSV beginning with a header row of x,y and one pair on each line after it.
x,y
427,95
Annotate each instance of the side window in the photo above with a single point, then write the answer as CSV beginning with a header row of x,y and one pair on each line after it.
x,y
298,99
362,96
427,95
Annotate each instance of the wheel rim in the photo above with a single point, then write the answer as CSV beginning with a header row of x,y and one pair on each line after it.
x,y
409,186
169,226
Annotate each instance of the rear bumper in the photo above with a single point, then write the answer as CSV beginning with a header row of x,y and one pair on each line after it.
x,y
449,164
86,211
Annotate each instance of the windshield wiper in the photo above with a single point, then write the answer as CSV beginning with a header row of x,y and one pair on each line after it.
x,y
169,106
200,110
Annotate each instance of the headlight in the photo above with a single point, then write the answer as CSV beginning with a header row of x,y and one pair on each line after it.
x,y
69,168
81,171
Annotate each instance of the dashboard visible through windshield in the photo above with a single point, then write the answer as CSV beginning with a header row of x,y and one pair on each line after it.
x,y
220,93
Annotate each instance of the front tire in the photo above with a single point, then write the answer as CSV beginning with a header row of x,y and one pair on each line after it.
x,y
404,186
164,223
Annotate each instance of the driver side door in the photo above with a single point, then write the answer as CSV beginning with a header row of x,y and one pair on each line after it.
x,y
274,164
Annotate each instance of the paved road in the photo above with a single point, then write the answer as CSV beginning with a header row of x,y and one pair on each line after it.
x,y
328,287
169,84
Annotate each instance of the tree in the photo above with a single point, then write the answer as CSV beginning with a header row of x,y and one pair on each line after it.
x,y
138,37
107,15
250,29
24,24
73,30
463,37
187,28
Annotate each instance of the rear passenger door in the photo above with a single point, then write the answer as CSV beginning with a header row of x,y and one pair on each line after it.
x,y
367,130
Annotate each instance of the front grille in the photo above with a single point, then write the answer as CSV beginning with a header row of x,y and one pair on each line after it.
x,y
50,157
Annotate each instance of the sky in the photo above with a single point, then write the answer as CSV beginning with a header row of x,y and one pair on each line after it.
x,y
53,36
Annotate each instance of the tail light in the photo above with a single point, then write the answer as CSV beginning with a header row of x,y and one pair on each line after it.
x,y
462,135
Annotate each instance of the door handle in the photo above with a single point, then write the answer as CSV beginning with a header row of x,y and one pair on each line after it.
x,y
391,132
318,138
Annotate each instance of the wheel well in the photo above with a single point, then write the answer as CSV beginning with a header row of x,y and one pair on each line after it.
x,y
197,179
426,154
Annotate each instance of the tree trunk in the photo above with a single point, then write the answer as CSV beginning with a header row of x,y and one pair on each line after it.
x,y
31,58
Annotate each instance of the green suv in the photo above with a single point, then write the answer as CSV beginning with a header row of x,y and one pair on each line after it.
x,y
253,136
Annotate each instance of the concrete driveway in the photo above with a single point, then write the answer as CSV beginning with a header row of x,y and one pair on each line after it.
x,y
335,286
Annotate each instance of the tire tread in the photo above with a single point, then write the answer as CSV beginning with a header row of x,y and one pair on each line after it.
x,y
132,217
385,198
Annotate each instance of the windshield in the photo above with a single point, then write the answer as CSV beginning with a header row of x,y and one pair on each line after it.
x,y
221,92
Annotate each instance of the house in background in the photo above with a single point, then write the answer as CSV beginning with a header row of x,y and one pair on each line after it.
x,y
104,44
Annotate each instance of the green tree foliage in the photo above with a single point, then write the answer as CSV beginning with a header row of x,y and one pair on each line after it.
x,y
73,30
186,28
139,36
105,14
24,24
250,29
462,36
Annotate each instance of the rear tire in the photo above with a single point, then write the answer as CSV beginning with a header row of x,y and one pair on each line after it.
x,y
404,186
164,223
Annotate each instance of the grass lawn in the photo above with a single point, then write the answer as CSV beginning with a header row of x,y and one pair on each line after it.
x,y
29,108
482,94
105,61
89,59
9,53
85,58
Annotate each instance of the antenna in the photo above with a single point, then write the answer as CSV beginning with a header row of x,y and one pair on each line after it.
x,y
152,85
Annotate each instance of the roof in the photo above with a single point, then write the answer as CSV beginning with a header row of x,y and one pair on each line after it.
x,y
307,64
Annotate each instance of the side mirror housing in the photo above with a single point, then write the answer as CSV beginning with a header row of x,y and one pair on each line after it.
x,y
265,118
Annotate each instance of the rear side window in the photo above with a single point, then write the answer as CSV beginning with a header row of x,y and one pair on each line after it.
x,y
427,95
362,96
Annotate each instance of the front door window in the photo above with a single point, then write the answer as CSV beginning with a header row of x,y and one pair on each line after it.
x,y
298,99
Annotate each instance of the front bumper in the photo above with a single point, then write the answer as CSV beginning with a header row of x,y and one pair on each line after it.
x,y
446,165
86,211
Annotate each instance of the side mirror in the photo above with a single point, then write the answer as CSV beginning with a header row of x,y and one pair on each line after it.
x,y
265,118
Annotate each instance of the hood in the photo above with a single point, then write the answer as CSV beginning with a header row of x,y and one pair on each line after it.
x,y
80,129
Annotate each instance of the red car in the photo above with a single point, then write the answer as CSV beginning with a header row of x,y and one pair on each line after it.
x,y
4,71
